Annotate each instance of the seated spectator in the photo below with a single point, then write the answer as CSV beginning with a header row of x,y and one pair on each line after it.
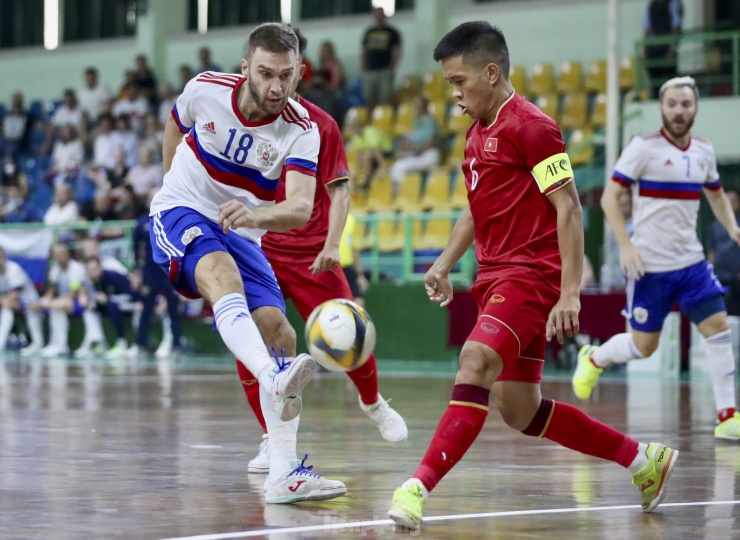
x,y
15,129
167,98
129,77
186,73
127,205
372,146
117,174
318,93
125,137
103,142
100,207
68,113
68,149
64,208
12,176
206,63
145,80
332,67
152,137
94,98
18,296
16,209
132,105
90,249
80,182
417,150
146,175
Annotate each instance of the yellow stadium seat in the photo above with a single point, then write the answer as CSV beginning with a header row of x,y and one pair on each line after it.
x,y
409,193
352,164
409,87
383,119
459,197
360,112
598,115
548,104
575,109
380,194
438,110
596,77
358,202
457,152
570,78
580,147
436,234
404,119
626,74
435,86
437,194
458,122
518,78
540,80
390,233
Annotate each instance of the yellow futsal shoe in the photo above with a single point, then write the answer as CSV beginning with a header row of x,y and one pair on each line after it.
x,y
652,480
407,506
586,375
729,429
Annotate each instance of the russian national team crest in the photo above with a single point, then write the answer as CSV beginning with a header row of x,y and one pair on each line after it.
x,y
266,154
191,234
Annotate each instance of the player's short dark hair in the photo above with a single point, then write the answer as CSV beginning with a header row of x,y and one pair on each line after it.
x,y
272,37
478,42
302,41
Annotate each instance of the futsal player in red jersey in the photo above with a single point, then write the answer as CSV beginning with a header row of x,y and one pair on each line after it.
x,y
525,218
306,264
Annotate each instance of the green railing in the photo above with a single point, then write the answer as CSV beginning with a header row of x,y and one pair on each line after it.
x,y
712,58
402,258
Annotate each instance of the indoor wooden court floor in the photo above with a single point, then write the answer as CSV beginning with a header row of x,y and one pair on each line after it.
x,y
155,450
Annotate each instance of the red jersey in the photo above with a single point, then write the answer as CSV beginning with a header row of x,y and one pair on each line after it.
x,y
510,167
332,166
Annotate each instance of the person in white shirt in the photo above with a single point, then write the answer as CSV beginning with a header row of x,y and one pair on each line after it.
x,y
19,295
667,171
67,149
103,142
167,98
132,104
125,137
64,208
145,176
69,112
94,98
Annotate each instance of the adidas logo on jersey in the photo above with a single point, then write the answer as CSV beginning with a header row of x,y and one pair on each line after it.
x,y
668,163
210,127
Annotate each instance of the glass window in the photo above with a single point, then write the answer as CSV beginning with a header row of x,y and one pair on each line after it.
x,y
222,13
315,9
21,23
98,19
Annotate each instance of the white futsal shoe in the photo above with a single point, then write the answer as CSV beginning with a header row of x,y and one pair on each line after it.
x,y
289,379
391,425
261,463
301,484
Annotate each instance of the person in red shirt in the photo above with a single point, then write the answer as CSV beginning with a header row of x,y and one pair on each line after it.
x,y
525,218
306,264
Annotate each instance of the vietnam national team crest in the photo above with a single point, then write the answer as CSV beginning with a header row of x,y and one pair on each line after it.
x,y
266,154
191,234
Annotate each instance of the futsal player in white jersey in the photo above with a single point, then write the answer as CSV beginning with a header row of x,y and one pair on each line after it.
x,y
18,295
225,146
664,263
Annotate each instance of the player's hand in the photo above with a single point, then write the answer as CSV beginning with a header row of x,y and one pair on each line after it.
x,y
630,261
233,214
563,319
438,287
326,260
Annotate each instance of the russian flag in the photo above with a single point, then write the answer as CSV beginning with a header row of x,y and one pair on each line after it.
x,y
30,249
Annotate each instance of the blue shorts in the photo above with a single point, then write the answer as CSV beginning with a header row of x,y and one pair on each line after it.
x,y
695,289
180,237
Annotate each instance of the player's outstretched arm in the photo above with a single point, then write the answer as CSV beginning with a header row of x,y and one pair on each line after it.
x,y
630,259
722,210
436,280
563,319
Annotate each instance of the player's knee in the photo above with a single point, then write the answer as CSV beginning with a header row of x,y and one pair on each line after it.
x,y
476,367
518,417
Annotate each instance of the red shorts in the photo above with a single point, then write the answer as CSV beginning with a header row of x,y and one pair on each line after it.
x,y
511,320
306,290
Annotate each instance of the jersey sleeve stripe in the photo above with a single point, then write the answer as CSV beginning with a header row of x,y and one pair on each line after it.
x,y
302,170
233,175
183,129
713,186
305,163
623,179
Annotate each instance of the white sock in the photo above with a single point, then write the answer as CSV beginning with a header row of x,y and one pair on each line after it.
x,y
59,322
619,349
641,459
721,367
6,325
33,318
282,436
93,327
241,336
411,481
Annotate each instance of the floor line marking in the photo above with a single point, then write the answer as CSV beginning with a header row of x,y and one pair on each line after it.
x,y
383,522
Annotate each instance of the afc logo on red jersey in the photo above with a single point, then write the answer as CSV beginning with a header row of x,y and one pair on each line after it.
x,y
491,144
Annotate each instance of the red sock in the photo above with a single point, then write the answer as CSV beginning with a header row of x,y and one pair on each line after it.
x,y
365,378
252,391
571,427
725,414
458,428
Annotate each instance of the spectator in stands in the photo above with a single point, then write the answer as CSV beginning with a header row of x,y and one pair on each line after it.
x,y
79,180
129,77
64,208
332,67
12,176
117,173
153,136
662,18
127,205
103,141
89,248
373,148
125,137
99,208
15,129
167,99
318,93
145,80
16,209
417,150
132,105
381,51
206,63
68,113
186,73
146,175
724,254
18,295
94,98
67,149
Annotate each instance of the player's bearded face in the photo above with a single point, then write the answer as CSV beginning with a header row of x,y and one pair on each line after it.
x,y
269,80
678,109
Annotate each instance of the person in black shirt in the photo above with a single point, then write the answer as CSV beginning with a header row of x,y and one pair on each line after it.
x,y
381,51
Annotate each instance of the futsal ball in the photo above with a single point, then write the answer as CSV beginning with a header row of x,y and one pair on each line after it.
x,y
340,335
